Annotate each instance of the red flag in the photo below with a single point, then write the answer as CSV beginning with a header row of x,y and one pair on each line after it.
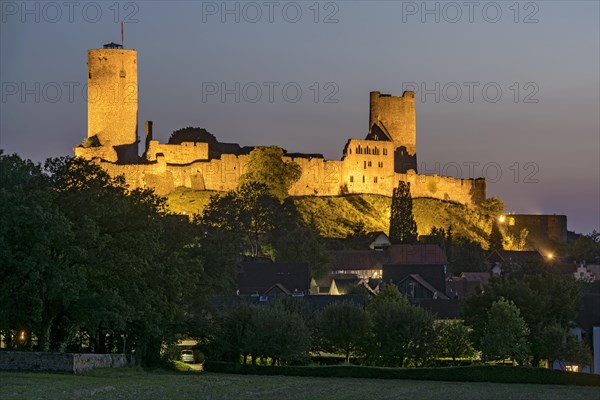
x,y
122,41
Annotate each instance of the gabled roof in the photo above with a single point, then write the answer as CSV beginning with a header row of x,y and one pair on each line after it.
x,y
263,276
421,281
379,132
278,287
374,235
397,254
516,256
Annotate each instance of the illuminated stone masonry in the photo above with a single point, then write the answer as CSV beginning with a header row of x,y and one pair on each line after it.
x,y
373,165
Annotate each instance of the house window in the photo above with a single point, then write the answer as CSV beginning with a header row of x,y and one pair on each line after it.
x,y
369,164
351,179
349,151
368,151
364,164
385,152
376,151
375,179
363,179
380,164
89,75
358,150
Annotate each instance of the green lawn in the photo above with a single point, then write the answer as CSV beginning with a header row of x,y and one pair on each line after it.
x,y
135,384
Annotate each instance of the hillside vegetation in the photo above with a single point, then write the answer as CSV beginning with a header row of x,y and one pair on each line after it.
x,y
336,217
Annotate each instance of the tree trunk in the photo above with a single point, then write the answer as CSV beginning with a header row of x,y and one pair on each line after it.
x,y
44,337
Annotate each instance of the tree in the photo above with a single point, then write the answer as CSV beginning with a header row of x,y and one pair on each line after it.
x,y
403,228
266,166
543,297
294,240
402,334
249,212
584,248
192,134
268,226
453,339
281,334
556,343
504,333
40,258
493,207
343,327
466,256
495,238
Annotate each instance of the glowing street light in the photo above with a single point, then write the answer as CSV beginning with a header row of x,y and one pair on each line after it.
x,y
502,218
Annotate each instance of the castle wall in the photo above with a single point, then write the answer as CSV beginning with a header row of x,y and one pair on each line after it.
x,y
113,100
319,178
396,116
464,191
185,153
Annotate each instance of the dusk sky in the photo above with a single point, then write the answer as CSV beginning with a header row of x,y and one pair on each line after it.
x,y
527,105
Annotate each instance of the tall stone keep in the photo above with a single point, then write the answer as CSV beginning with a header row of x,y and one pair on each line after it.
x,y
113,100
394,118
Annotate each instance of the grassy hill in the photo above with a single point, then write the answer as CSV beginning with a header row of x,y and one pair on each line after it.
x,y
336,217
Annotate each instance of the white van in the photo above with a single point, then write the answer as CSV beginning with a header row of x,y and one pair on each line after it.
x,y
187,356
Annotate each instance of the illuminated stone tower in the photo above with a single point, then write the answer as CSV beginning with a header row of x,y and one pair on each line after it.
x,y
394,118
113,100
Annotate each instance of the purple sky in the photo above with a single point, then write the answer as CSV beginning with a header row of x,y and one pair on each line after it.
x,y
541,132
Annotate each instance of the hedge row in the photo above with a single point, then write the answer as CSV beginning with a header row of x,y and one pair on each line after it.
x,y
496,374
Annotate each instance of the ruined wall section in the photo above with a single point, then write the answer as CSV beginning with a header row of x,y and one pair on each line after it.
x,y
113,100
319,177
184,153
465,191
106,153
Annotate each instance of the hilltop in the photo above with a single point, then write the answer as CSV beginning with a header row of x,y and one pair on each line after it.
x,y
337,216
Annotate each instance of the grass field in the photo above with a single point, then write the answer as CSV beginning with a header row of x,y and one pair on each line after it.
x,y
129,383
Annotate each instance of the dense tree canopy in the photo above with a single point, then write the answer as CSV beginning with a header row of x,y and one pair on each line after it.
x,y
266,166
88,264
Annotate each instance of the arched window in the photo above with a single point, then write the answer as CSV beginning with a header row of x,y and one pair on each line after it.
x,y
385,152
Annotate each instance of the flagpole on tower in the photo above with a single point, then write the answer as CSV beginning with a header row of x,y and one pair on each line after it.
x,y
122,40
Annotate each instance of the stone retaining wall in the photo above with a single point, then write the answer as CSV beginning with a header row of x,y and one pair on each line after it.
x,y
60,362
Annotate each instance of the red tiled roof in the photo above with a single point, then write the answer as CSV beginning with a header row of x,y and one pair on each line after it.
x,y
397,254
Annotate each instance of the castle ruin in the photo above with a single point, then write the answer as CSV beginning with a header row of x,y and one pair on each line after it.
x,y
373,165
